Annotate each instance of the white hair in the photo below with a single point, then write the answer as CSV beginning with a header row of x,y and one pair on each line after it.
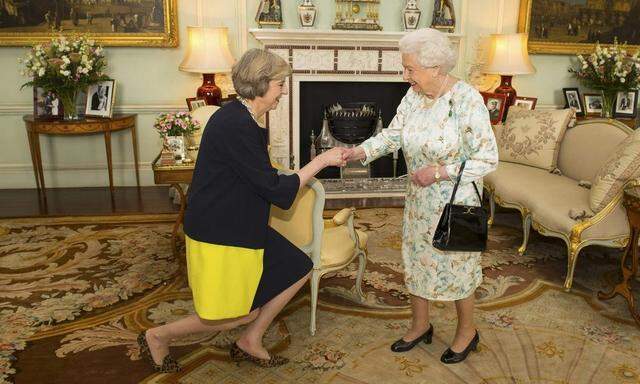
x,y
431,47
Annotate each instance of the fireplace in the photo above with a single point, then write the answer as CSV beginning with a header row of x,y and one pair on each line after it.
x,y
315,97
352,63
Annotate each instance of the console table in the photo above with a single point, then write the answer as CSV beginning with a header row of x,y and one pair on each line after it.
x,y
174,175
86,126
631,202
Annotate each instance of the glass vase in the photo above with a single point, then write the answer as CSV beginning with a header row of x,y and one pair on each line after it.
x,y
68,99
608,100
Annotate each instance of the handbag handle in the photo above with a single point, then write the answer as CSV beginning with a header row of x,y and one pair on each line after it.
x,y
455,187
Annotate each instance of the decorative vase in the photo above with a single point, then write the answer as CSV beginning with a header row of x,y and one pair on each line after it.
x,y
175,145
608,101
307,11
68,99
411,15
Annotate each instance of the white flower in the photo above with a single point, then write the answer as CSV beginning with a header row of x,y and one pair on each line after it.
x,y
65,73
622,80
41,72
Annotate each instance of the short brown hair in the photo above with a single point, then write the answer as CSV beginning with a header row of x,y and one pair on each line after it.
x,y
255,69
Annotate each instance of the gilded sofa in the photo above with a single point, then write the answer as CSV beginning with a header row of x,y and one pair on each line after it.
x,y
558,203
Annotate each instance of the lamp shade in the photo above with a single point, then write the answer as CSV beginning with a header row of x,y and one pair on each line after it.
x,y
208,51
509,56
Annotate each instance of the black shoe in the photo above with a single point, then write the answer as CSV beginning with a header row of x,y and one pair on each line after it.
x,y
450,357
404,346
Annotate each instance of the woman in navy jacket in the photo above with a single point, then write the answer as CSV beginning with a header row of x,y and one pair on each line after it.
x,y
240,270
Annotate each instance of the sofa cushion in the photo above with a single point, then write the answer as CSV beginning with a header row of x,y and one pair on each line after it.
x,y
532,137
579,158
622,165
550,198
521,184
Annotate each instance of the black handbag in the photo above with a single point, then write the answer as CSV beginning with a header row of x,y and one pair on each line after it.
x,y
462,228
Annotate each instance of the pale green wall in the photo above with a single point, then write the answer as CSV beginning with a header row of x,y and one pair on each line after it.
x,y
149,83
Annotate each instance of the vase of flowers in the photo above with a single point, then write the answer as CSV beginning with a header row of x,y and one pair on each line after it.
x,y
65,67
608,70
173,127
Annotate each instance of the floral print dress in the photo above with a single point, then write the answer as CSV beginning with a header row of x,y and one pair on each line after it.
x,y
453,129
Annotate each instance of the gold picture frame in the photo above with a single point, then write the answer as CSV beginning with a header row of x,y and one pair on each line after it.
x,y
140,24
564,39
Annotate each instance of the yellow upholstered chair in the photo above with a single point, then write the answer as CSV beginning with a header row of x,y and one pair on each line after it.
x,y
202,115
332,244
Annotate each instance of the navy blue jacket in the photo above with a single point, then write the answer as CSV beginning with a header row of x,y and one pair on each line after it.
x,y
234,183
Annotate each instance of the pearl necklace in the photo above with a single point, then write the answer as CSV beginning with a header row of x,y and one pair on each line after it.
x,y
248,106
428,102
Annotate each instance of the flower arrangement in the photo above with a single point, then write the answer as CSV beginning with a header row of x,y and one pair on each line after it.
x,y
610,69
65,67
175,124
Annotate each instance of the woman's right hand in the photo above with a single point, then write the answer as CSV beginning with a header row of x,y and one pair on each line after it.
x,y
356,153
334,157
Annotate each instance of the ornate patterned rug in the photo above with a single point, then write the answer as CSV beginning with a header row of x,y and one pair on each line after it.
x,y
74,293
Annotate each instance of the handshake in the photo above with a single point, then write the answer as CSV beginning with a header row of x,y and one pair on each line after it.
x,y
338,157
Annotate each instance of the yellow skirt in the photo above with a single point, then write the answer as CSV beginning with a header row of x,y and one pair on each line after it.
x,y
223,279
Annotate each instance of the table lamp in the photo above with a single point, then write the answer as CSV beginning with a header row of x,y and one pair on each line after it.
x,y
508,56
208,53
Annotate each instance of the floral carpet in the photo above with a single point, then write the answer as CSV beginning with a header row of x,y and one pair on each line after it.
x,y
74,293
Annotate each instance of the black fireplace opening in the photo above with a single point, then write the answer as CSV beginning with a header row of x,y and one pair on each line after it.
x,y
316,96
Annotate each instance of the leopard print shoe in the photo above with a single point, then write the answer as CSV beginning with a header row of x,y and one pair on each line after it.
x,y
239,355
169,364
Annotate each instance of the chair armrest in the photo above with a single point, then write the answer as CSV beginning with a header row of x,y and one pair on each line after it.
x,y
328,223
341,217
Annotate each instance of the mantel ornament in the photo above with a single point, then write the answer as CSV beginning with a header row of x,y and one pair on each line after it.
x,y
357,15
411,15
269,13
307,12
444,17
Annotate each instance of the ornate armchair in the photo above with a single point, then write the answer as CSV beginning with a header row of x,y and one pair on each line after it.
x,y
332,244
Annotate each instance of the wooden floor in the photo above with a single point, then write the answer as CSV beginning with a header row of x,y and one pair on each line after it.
x,y
126,200
85,201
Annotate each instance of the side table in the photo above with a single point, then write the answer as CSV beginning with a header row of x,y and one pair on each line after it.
x,y
86,126
631,202
174,175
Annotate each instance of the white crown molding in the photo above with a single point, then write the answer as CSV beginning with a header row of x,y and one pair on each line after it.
x,y
270,36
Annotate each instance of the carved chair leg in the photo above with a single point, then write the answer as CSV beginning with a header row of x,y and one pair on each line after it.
x,y
526,231
315,285
572,258
492,209
362,264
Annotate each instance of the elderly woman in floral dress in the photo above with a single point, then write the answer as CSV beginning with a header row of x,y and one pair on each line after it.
x,y
441,122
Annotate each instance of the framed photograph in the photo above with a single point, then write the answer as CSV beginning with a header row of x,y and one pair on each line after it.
x,y
626,104
100,97
140,23
525,102
572,100
495,103
46,105
574,26
194,103
593,104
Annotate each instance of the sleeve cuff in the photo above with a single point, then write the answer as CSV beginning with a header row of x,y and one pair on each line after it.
x,y
291,184
452,171
368,157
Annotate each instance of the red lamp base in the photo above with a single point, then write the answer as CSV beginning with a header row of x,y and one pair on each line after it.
x,y
209,91
506,88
